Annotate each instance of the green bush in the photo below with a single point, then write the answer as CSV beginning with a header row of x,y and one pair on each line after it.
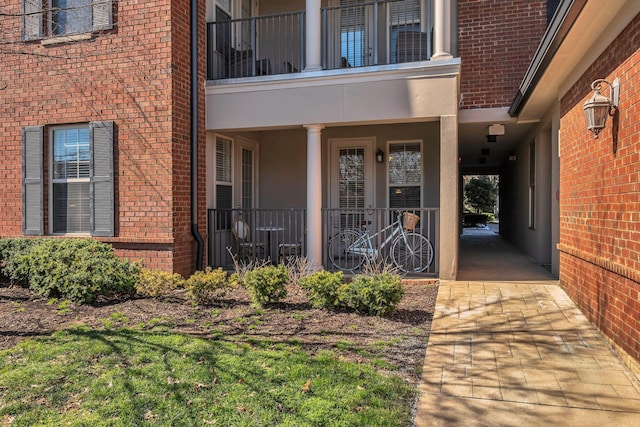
x,y
76,269
207,286
323,288
10,251
375,294
267,284
155,283
472,220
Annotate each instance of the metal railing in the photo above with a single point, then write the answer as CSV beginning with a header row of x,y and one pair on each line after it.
x,y
355,35
255,234
376,33
346,226
256,46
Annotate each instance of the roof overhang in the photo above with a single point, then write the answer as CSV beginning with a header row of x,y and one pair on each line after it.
x,y
578,33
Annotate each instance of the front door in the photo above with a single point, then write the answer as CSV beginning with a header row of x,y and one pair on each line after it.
x,y
352,181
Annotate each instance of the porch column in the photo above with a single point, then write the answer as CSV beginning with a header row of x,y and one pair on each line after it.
x,y
314,196
313,36
449,190
442,30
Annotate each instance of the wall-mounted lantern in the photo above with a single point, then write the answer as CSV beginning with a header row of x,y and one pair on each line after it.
x,y
379,156
599,107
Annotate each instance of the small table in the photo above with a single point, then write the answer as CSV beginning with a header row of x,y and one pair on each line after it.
x,y
270,229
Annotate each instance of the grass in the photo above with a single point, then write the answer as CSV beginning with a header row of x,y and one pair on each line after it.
x,y
81,377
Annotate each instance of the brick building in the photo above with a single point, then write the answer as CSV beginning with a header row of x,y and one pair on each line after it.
x,y
96,113
598,180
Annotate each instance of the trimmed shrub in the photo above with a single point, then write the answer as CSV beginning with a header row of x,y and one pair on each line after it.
x,y
156,283
267,284
473,220
204,287
76,269
323,288
376,294
10,252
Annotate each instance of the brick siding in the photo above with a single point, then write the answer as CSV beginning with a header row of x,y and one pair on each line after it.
x,y
136,75
496,42
600,199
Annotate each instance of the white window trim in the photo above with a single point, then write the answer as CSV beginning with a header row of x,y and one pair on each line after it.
x,y
216,182
386,175
53,181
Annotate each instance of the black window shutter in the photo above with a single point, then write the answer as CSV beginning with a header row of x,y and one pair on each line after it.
x,y
102,192
31,19
102,15
32,181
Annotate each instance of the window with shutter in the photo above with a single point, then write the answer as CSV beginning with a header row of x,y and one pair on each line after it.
x,y
405,175
55,18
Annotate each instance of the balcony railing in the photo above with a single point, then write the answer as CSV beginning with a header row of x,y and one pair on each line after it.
x,y
357,35
277,234
255,46
376,33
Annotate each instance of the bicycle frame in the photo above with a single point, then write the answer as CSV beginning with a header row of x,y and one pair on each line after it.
x,y
363,245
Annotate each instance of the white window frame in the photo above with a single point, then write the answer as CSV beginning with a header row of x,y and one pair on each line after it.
x,y
231,172
53,180
387,165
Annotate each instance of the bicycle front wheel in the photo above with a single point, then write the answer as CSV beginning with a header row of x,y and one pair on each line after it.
x,y
412,252
340,251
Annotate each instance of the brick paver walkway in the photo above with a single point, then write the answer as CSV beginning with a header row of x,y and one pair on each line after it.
x,y
521,354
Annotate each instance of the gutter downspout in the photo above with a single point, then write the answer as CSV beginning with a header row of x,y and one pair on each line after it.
x,y
194,135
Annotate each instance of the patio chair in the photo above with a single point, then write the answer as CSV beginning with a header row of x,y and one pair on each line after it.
x,y
247,249
286,250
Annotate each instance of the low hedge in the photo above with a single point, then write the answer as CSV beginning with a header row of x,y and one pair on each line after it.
x,y
76,269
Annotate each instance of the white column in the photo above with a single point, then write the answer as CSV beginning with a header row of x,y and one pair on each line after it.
x,y
449,195
314,195
442,30
313,35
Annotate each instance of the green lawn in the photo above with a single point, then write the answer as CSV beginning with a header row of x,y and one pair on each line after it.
x,y
125,377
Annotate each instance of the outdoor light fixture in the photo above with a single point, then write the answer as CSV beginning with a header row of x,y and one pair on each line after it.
x,y
379,156
599,107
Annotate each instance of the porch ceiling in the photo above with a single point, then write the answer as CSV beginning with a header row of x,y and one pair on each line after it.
x,y
472,139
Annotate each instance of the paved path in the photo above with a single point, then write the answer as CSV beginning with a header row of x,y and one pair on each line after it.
x,y
520,353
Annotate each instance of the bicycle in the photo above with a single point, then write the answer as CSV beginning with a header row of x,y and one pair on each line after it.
x,y
410,251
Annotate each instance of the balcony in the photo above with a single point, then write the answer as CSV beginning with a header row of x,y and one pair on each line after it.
x,y
358,35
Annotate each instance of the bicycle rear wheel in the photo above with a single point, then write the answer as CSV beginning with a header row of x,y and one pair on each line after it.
x,y
340,255
412,253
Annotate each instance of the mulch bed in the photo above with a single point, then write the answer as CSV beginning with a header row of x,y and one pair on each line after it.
x,y
399,339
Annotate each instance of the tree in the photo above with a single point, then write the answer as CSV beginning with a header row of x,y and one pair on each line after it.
x,y
480,194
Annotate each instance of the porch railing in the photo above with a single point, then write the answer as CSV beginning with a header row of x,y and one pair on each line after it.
x,y
378,225
263,234
356,35
276,234
256,46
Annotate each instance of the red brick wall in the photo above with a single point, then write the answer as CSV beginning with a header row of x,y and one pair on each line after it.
x,y
136,75
496,41
600,199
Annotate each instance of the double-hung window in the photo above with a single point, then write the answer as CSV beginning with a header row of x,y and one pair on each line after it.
x,y
55,18
70,189
80,180
224,181
405,174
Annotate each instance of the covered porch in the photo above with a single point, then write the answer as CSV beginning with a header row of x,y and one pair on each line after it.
x,y
294,189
